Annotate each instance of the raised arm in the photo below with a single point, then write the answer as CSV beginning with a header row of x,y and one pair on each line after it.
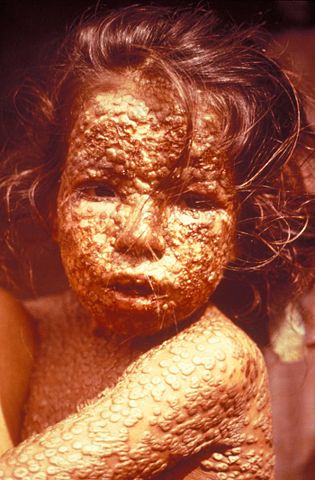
x,y
201,395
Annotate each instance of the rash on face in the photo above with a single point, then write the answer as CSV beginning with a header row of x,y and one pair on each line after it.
x,y
142,246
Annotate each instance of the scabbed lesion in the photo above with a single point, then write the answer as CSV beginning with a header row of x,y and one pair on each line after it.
x,y
121,390
226,411
140,224
200,395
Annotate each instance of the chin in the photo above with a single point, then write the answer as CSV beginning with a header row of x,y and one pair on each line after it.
x,y
137,312
140,322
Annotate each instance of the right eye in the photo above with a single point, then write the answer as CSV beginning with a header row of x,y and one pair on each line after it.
x,y
197,201
96,191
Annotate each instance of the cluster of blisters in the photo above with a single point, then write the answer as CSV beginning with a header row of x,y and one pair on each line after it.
x,y
75,362
174,401
121,211
144,244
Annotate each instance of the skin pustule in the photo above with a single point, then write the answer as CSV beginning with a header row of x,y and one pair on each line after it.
x,y
116,393
143,241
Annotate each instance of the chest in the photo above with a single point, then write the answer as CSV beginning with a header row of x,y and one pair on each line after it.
x,y
74,364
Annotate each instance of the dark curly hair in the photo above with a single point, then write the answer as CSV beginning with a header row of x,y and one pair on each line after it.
x,y
262,131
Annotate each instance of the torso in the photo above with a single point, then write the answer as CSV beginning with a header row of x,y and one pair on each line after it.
x,y
74,361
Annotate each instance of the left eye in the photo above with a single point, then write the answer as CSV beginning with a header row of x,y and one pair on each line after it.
x,y
196,201
97,191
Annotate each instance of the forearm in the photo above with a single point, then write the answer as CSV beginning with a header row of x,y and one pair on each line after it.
x,y
181,398
84,446
136,432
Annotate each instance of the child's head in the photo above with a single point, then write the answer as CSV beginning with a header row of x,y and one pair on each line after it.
x,y
144,239
191,115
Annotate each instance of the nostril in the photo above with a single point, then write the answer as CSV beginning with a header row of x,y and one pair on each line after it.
x,y
158,244
149,243
143,234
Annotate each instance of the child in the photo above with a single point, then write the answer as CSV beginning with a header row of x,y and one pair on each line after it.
x,y
166,155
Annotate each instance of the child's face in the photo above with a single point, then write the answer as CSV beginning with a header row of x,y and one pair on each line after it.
x,y
141,252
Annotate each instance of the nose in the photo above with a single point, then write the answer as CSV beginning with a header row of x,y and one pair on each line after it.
x,y
143,235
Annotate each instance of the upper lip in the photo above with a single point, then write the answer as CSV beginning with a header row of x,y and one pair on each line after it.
x,y
137,285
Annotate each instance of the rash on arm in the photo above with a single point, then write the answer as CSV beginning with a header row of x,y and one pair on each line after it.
x,y
201,395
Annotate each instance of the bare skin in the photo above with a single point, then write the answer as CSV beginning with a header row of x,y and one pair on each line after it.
x,y
16,361
144,380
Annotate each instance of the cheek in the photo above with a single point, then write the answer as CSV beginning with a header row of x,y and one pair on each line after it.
x,y
201,252
204,246
191,267
86,235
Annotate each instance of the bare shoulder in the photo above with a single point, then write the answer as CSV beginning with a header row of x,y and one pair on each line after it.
x,y
242,359
220,347
221,410
194,406
16,333
16,326
16,359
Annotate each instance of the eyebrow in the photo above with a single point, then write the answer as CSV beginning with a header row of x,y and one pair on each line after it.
x,y
196,171
97,162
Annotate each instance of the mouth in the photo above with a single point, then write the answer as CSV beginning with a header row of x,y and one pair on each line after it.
x,y
133,290
134,287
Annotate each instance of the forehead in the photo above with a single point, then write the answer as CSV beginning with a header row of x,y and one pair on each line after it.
x,y
141,131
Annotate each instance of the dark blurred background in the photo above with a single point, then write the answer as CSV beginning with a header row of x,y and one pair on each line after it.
x,y
28,26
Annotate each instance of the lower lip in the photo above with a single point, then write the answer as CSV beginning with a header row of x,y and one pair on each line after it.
x,y
134,297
